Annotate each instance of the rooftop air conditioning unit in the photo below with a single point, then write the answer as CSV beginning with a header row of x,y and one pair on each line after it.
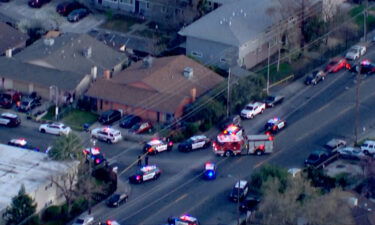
x,y
188,72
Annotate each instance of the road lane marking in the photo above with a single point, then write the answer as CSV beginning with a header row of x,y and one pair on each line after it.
x,y
164,207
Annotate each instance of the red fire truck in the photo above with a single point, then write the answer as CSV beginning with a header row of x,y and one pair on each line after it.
x,y
233,141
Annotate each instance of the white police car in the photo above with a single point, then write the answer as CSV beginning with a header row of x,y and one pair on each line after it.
x,y
146,173
9,120
194,143
22,143
106,134
156,145
274,125
183,220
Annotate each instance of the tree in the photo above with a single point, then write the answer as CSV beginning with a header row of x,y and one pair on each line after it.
x,y
22,207
298,200
267,172
67,147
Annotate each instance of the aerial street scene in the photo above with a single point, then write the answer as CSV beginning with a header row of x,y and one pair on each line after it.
x,y
187,112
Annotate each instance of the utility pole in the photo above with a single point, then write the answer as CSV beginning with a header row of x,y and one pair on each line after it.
x,y
365,21
268,68
90,174
228,93
357,104
238,202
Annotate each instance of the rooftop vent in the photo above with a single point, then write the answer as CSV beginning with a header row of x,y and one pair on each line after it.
x,y
188,72
87,52
49,41
147,62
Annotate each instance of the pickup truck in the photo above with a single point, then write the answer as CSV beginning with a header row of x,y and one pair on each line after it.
x,y
252,110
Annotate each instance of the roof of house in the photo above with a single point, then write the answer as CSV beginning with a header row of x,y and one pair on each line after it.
x,y
16,70
160,86
234,23
10,37
66,53
20,166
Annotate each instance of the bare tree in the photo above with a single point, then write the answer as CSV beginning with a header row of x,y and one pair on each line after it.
x,y
66,184
301,201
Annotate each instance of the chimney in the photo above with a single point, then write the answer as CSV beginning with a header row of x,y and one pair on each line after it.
x,y
8,53
188,72
87,52
193,93
107,74
94,73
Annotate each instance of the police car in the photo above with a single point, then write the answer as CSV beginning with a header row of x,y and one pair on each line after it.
x,y
94,155
106,134
209,171
9,120
146,173
22,143
274,125
194,143
183,220
156,145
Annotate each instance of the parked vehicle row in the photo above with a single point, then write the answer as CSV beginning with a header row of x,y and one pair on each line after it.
x,y
255,108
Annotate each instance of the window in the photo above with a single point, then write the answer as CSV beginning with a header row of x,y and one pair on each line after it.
x,y
147,5
177,11
197,54
163,9
223,60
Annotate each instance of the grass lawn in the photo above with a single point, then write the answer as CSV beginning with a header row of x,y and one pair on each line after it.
x,y
120,23
147,33
76,118
356,11
285,70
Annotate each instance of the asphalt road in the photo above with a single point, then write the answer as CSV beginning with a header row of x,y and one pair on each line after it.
x,y
314,114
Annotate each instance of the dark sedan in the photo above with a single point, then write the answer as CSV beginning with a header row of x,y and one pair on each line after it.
x,y
117,199
77,15
37,3
65,8
272,101
129,121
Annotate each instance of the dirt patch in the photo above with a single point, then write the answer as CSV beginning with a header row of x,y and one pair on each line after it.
x,y
344,166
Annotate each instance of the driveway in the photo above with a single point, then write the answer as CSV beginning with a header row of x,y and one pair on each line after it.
x,y
18,11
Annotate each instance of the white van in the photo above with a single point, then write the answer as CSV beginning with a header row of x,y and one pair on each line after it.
x,y
368,147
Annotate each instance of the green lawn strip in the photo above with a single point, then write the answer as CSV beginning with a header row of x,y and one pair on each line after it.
x,y
120,23
76,118
285,70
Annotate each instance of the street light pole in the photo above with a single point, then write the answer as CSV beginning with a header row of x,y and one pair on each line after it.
x,y
89,183
268,68
357,104
228,94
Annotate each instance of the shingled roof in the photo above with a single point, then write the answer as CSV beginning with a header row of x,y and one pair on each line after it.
x,y
67,53
160,86
10,37
16,70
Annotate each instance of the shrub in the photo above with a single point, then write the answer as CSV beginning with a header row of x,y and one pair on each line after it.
x,y
52,213
205,126
79,206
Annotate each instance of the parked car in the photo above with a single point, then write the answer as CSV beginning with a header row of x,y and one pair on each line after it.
x,y
335,143
93,155
252,110
129,121
239,191
9,120
84,220
350,153
337,64
9,98
146,173
65,8
54,128
110,116
316,158
77,15
250,203
355,52
27,104
272,101
141,127
368,147
37,3
235,120
117,199
157,145
315,77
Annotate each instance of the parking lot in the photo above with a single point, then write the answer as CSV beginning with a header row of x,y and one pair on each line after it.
x,y
20,13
